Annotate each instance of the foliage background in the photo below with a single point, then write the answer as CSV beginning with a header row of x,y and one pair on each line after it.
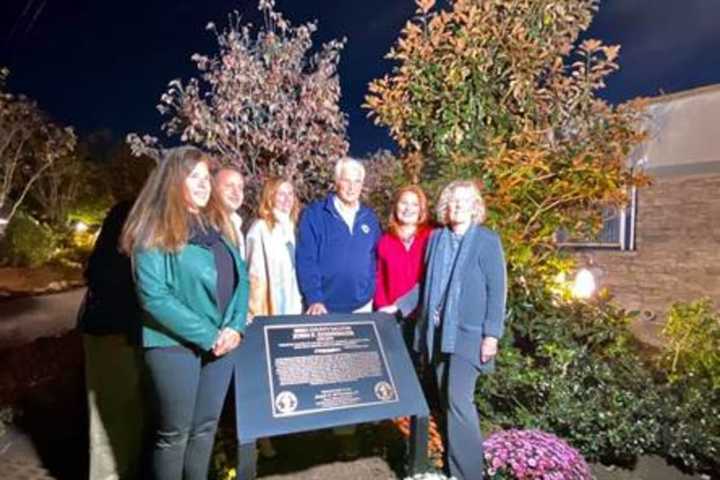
x,y
265,101
502,92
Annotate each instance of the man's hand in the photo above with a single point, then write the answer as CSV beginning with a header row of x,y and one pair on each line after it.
x,y
391,309
227,340
488,349
316,309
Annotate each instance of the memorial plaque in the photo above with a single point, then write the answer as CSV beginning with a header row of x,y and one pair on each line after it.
x,y
319,367
299,373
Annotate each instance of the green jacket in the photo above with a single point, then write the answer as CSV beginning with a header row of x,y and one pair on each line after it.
x,y
177,293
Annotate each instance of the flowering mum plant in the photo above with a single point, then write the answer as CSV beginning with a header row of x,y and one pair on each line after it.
x,y
532,454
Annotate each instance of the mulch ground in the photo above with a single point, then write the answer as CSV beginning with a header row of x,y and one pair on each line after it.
x,y
16,282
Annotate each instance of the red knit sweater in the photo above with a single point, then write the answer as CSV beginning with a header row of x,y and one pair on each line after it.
x,y
398,269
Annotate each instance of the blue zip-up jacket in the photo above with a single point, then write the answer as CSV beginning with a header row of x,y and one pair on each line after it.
x,y
334,266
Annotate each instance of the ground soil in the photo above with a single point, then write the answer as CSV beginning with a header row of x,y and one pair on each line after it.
x,y
20,281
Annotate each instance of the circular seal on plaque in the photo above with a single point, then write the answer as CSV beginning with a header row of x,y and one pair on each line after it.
x,y
384,391
286,402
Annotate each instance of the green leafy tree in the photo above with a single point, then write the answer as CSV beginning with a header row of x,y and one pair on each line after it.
x,y
497,90
503,91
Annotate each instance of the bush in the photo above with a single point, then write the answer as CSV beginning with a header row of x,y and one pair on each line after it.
x,y
532,454
561,357
606,409
691,424
693,342
691,365
573,369
27,242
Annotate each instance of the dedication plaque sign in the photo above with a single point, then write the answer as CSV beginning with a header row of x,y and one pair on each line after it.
x,y
298,373
318,367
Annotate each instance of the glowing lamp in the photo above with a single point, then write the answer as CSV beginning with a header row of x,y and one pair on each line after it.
x,y
584,285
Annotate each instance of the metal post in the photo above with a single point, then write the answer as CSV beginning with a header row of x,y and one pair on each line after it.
x,y
247,461
419,427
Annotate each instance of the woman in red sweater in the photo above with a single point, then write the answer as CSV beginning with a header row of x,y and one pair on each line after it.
x,y
401,250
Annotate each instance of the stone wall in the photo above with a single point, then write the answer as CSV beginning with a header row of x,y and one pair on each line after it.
x,y
677,256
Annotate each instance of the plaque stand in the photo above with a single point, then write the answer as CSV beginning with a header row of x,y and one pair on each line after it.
x,y
284,382
418,444
247,460
417,449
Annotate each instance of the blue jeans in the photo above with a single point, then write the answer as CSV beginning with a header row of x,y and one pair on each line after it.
x,y
188,391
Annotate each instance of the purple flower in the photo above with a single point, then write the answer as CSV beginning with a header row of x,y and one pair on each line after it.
x,y
533,454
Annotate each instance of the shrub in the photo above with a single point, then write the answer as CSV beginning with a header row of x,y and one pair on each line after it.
x,y
693,342
571,368
691,364
690,415
532,454
27,242
606,409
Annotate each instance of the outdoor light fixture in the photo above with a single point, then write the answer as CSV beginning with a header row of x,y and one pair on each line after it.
x,y
81,227
584,285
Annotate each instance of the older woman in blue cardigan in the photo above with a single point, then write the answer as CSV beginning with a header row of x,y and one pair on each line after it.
x,y
461,317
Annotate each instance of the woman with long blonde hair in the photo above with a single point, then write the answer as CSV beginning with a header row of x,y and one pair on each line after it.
x,y
192,285
271,252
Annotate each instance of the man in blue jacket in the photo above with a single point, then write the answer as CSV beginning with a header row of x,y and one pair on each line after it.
x,y
335,254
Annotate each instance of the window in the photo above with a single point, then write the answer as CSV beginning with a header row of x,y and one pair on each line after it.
x,y
618,230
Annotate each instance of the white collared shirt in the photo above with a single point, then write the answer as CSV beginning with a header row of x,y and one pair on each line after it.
x,y
237,222
347,213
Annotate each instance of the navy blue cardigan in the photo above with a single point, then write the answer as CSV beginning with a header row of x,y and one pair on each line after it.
x,y
475,306
334,266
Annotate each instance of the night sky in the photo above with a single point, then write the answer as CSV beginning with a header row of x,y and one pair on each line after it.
x,y
103,64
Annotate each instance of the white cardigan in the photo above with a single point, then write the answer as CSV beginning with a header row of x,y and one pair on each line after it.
x,y
271,265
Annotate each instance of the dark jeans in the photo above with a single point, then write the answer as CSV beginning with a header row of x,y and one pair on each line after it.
x,y
188,391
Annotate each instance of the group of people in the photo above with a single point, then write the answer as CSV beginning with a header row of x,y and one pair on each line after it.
x,y
199,281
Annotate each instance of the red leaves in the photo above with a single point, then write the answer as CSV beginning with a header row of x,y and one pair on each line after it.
x,y
264,102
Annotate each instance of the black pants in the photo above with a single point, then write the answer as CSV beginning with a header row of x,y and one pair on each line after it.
x,y
188,392
455,379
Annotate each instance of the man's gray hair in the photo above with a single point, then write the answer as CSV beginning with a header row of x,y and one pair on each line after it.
x,y
351,163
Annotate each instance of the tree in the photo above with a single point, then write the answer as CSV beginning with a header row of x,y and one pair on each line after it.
x,y
29,145
384,176
58,189
126,172
501,91
497,90
262,102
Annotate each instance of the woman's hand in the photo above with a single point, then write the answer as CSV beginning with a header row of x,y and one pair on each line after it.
x,y
488,349
227,340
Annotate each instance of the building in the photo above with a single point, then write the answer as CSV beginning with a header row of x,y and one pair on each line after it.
x,y
665,247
